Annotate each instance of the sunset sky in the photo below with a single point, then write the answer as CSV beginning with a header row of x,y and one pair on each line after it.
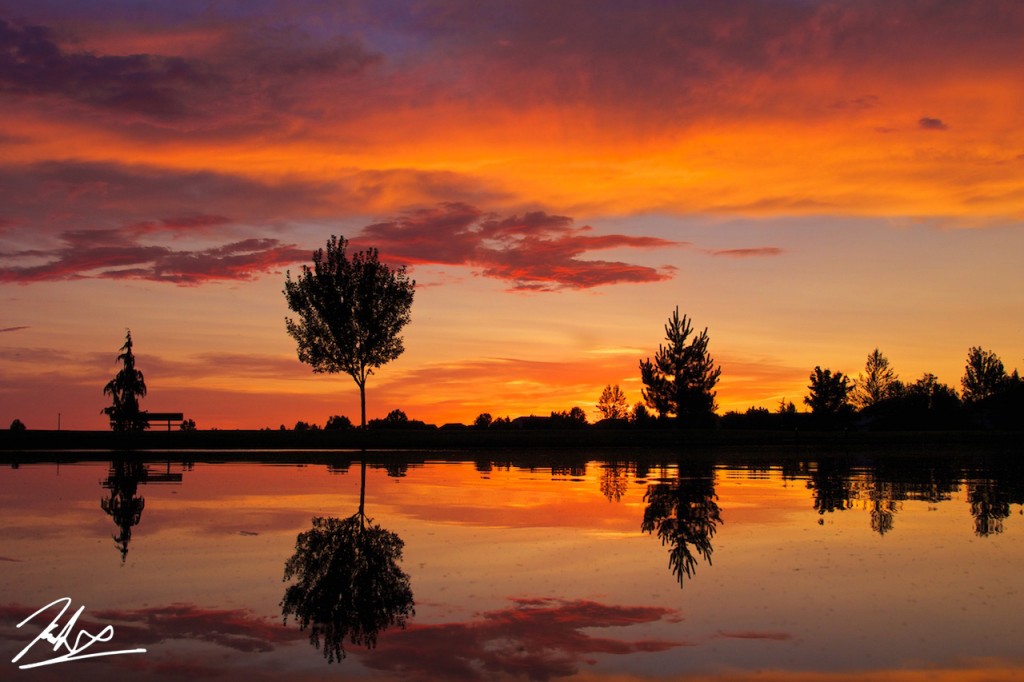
x,y
809,180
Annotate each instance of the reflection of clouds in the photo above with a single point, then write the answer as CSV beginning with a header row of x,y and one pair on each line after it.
x,y
169,635
536,639
237,629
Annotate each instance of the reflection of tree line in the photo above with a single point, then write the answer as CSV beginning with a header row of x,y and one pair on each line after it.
x,y
882,489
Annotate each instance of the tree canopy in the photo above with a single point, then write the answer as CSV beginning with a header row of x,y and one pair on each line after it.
x,y
984,374
681,379
351,312
878,382
125,389
612,403
829,393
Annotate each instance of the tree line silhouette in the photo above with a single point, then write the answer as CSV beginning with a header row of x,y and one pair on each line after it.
x,y
351,310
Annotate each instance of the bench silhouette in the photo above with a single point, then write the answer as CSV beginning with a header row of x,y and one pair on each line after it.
x,y
164,417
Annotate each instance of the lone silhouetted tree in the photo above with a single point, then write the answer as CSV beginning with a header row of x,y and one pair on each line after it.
x,y
878,382
984,374
125,389
350,313
612,403
682,377
829,393
17,425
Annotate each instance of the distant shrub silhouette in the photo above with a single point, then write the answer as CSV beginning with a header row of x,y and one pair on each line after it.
x,y
573,419
397,419
17,425
338,423
640,416
483,421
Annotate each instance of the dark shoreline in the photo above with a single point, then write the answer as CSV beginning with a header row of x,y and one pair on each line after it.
x,y
302,446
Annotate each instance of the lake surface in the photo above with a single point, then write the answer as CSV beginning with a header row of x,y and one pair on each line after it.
x,y
801,568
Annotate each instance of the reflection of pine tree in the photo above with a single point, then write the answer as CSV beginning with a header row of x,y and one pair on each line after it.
x,y
122,504
989,506
686,515
348,583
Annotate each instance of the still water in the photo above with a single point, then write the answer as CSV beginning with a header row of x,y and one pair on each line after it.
x,y
801,568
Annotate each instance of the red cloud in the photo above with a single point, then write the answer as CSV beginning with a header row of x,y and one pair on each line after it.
x,y
109,254
537,639
534,251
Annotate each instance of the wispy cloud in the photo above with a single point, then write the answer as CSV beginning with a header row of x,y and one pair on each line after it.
x,y
535,251
12,329
109,254
757,252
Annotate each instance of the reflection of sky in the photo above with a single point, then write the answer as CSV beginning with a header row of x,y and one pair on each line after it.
x,y
517,572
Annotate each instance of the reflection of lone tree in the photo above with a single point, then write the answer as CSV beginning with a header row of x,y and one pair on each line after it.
x,y
682,377
125,389
350,313
122,504
685,515
348,583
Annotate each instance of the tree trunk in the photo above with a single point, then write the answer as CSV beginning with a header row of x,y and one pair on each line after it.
x,y
362,403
